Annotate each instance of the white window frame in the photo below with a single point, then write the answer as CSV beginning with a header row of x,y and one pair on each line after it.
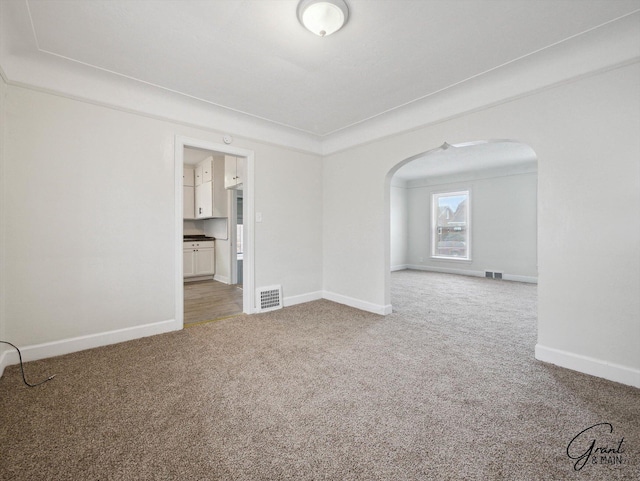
x,y
434,224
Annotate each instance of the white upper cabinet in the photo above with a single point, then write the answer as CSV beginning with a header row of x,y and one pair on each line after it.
x,y
207,169
233,172
188,191
210,195
188,176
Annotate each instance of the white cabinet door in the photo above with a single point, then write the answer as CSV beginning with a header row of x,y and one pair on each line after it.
x,y
207,170
198,259
211,197
188,264
188,176
204,200
189,202
233,172
240,161
198,175
204,262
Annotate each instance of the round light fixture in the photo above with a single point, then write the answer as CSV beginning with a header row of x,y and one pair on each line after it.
x,y
323,17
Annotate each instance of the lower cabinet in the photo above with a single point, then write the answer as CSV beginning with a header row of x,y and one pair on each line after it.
x,y
198,259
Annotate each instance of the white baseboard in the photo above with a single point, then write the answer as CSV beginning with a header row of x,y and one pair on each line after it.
x,y
528,279
66,346
446,270
223,279
3,357
302,298
467,272
198,278
400,267
357,303
589,365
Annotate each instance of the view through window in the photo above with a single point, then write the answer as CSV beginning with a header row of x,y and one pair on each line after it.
x,y
450,225
239,238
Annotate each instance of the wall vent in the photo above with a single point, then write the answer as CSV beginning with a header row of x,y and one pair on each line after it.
x,y
269,298
493,275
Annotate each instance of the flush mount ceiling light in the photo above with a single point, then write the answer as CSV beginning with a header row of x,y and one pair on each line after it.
x,y
323,17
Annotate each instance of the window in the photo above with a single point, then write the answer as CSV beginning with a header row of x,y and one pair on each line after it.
x,y
239,238
450,226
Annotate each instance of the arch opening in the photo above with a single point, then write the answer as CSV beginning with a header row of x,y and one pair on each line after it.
x,y
501,179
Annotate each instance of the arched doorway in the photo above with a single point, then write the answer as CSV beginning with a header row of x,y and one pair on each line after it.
x,y
499,179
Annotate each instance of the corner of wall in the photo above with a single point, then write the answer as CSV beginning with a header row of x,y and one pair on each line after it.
x,y
3,93
589,365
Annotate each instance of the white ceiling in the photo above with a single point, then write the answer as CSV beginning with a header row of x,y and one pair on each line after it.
x,y
253,56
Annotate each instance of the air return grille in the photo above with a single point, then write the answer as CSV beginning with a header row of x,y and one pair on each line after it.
x,y
269,298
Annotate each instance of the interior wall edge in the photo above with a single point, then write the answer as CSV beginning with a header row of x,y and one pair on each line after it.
x,y
467,272
3,362
301,298
588,365
81,343
357,303
3,233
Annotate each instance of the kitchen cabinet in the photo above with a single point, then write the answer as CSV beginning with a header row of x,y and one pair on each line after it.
x,y
188,176
198,259
188,193
204,171
233,172
210,195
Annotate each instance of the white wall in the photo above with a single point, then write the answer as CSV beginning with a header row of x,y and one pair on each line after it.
x,y
90,219
288,193
585,135
3,123
399,212
503,226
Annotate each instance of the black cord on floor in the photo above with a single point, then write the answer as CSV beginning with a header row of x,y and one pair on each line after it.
x,y
22,367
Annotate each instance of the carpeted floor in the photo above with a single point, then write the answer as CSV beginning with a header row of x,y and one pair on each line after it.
x,y
446,387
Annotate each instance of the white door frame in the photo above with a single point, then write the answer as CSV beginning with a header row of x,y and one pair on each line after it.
x,y
248,270
233,235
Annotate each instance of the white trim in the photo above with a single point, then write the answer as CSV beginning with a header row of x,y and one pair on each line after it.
x,y
435,197
90,341
3,359
516,278
589,365
302,298
467,272
400,267
357,303
223,279
248,271
601,49
232,224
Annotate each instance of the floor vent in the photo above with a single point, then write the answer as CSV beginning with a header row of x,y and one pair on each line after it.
x,y
269,298
493,275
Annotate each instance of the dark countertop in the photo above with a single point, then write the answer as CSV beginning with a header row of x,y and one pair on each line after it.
x,y
191,238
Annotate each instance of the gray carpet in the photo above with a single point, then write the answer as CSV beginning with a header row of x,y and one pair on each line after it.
x,y
446,387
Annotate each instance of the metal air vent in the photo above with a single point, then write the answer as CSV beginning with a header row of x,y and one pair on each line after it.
x,y
269,298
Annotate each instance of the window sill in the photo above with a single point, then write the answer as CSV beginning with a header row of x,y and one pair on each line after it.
x,y
448,259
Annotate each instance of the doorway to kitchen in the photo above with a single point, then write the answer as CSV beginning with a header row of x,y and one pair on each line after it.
x,y
214,241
